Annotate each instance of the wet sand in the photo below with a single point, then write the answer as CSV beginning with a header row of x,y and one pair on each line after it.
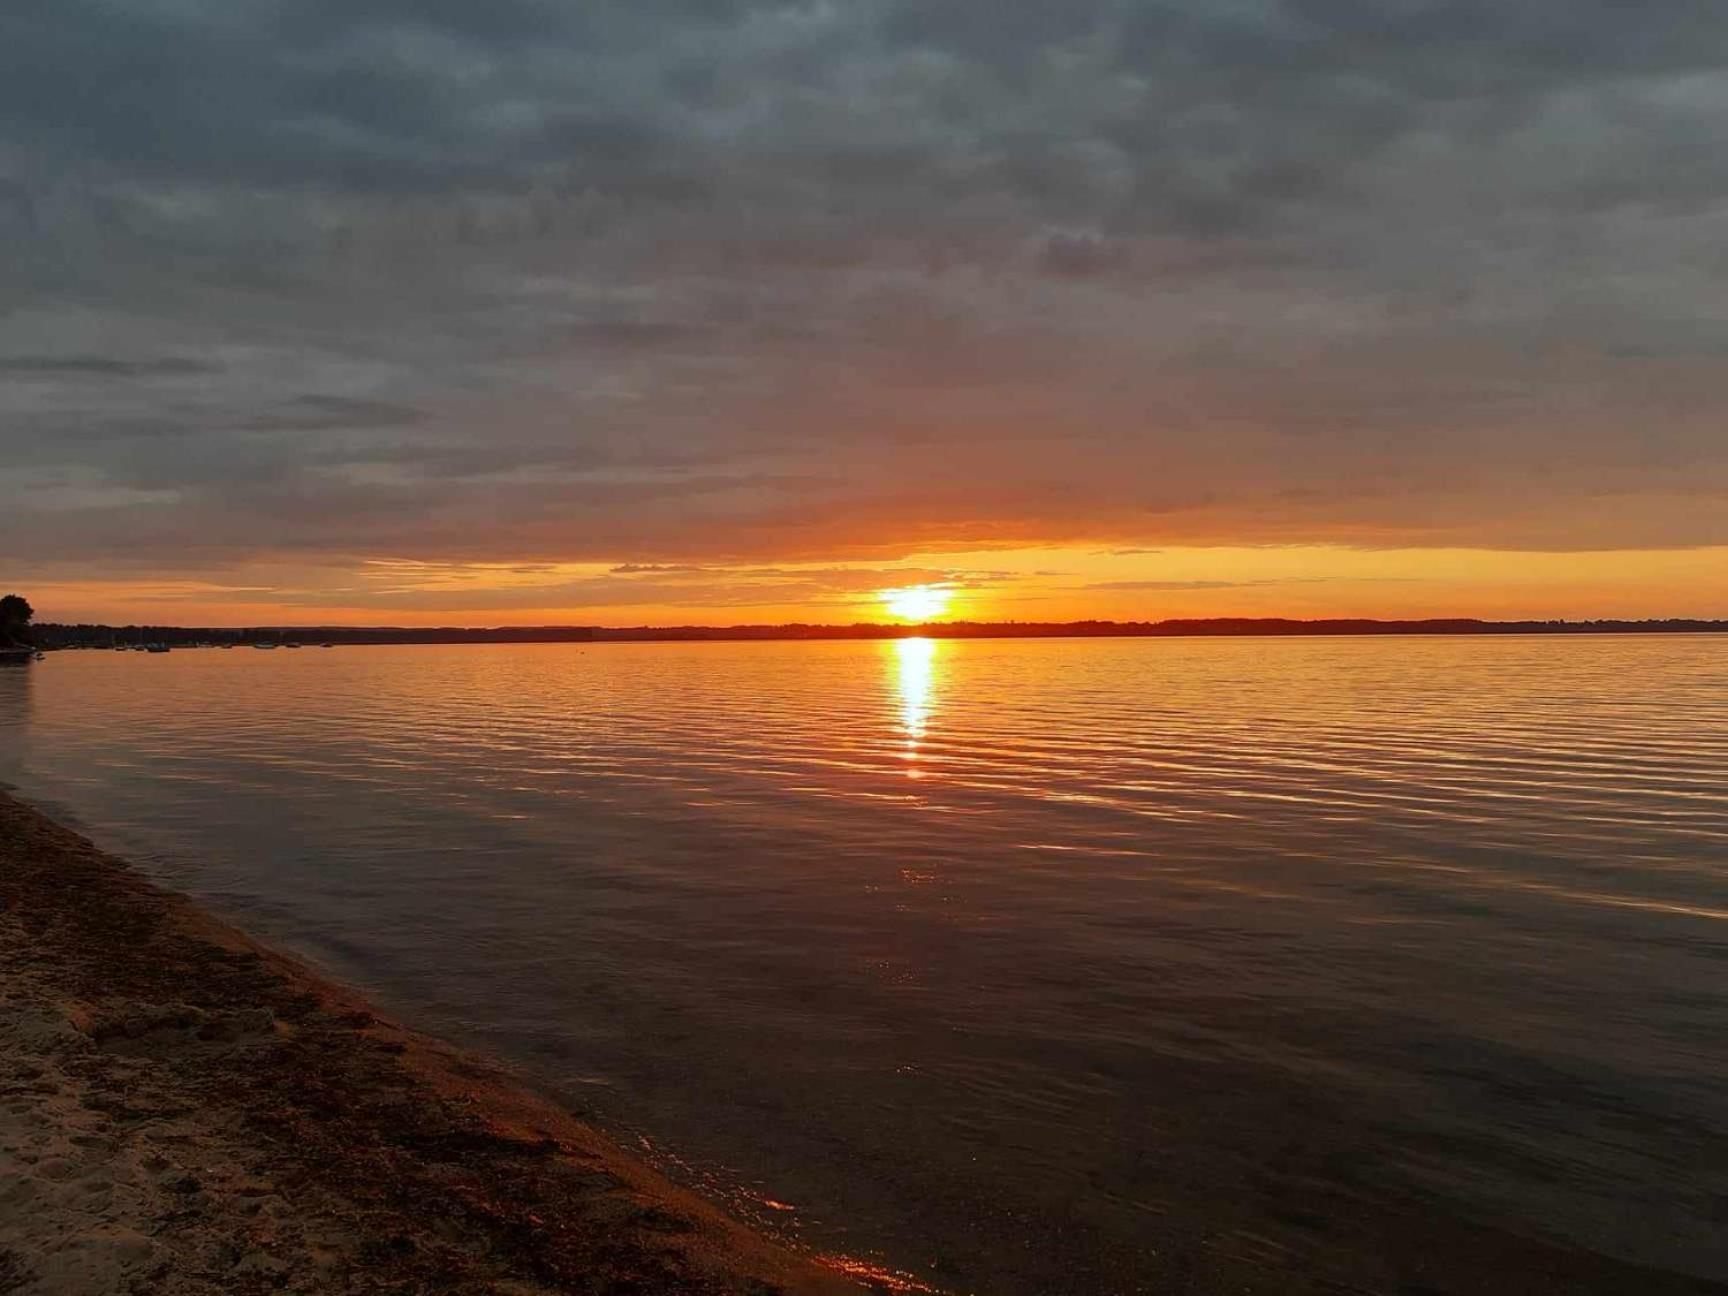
x,y
185,1112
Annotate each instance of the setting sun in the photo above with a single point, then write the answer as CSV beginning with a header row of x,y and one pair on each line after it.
x,y
917,602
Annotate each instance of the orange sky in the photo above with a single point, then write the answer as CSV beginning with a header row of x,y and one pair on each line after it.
x,y
1030,584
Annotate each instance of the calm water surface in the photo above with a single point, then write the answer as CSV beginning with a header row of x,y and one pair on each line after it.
x,y
1020,966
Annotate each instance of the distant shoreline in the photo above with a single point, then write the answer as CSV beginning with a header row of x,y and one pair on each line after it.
x,y
53,636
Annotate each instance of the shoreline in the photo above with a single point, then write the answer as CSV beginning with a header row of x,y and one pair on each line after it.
x,y
186,1111
104,637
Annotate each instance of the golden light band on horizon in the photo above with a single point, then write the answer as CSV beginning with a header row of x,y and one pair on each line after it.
x,y
1048,583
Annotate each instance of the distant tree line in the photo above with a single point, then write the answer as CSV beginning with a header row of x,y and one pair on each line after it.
x,y
14,623
87,635
1215,627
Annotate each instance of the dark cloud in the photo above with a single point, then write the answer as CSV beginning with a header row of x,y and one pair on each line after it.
x,y
685,278
503,23
1080,253
99,366
1211,115
310,412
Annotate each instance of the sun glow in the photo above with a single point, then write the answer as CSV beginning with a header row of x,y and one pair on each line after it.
x,y
917,602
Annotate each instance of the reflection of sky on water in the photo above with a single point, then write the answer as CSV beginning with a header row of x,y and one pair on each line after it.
x,y
1167,931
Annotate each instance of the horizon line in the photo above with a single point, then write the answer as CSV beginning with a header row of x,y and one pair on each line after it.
x,y
77,634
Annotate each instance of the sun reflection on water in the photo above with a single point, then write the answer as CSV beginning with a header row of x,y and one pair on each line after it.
x,y
915,677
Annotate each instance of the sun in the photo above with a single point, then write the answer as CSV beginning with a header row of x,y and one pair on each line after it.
x,y
917,602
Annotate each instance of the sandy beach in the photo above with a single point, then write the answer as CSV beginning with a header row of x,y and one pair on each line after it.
x,y
184,1112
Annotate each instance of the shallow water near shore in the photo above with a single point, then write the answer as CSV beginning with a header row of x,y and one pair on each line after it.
x,y
1020,966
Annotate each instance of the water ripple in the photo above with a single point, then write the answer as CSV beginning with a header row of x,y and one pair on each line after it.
x,y
963,942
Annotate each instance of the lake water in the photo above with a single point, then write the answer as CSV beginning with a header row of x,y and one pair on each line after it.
x,y
1018,966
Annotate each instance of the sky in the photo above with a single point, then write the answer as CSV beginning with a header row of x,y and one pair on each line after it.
x,y
727,311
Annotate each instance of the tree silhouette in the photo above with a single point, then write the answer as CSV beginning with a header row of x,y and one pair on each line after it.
x,y
15,614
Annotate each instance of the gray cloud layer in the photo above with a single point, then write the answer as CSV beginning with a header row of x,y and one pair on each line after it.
x,y
543,280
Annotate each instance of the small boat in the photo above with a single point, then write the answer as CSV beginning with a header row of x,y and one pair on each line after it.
x,y
290,645
264,645
156,648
